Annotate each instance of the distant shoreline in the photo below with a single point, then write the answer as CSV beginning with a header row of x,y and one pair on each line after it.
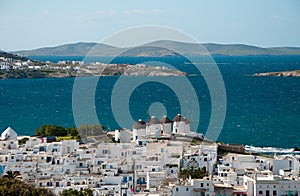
x,y
294,73
37,74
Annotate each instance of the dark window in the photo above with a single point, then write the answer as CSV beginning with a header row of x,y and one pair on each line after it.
x,y
201,185
187,189
177,189
274,192
260,192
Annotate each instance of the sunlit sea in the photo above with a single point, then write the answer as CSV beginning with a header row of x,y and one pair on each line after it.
x,y
261,111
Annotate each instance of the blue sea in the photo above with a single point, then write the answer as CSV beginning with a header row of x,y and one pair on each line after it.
x,y
261,111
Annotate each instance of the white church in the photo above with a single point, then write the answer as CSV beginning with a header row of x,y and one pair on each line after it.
x,y
9,139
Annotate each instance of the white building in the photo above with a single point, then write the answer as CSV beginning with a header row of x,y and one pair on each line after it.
x,y
9,139
123,135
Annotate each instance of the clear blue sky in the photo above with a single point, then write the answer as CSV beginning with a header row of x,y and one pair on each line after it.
x,y
32,23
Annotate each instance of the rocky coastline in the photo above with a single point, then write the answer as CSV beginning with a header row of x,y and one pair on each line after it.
x,y
295,73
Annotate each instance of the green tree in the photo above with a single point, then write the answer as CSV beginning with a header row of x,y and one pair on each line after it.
x,y
50,130
23,141
71,192
72,131
10,175
88,192
195,173
13,187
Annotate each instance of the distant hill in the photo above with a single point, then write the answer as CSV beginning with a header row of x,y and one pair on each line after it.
x,y
83,49
12,56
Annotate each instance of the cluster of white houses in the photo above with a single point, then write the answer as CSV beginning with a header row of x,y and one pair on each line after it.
x,y
9,63
147,160
12,64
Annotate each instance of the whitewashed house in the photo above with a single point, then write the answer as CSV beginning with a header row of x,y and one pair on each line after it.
x,y
287,163
123,135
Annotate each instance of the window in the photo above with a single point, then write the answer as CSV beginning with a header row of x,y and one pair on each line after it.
x,y
260,192
130,178
201,184
153,169
274,192
187,189
177,189
104,151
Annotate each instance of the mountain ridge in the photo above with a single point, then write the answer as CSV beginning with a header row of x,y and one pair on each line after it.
x,y
157,48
